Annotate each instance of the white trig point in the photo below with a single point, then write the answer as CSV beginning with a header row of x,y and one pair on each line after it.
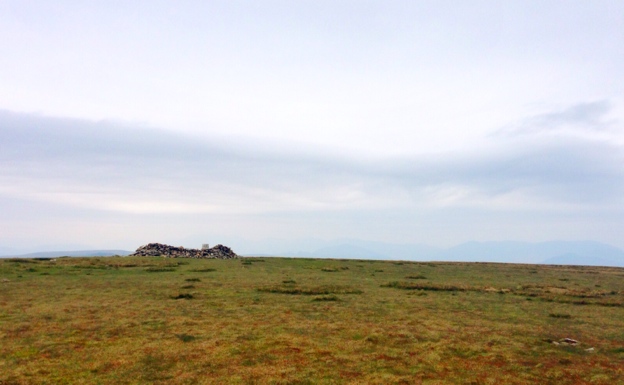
x,y
205,246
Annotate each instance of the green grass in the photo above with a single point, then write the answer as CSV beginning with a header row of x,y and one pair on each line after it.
x,y
134,320
159,269
330,298
314,290
419,276
560,315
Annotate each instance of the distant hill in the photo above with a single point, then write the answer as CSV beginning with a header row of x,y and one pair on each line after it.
x,y
359,249
347,251
74,253
553,252
574,259
588,253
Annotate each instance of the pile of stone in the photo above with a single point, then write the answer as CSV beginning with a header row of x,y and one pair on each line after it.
x,y
158,249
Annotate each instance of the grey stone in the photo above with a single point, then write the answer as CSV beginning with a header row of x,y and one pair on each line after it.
x,y
159,249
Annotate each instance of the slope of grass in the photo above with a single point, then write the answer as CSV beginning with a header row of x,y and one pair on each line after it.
x,y
296,321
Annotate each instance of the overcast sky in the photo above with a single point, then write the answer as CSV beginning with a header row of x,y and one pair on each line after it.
x,y
438,122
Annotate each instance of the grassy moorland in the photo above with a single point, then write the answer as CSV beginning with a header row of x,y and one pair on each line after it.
x,y
298,321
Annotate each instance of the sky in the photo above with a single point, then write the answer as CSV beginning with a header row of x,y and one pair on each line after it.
x,y
189,122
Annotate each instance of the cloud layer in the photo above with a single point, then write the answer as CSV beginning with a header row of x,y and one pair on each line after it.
x,y
115,169
111,167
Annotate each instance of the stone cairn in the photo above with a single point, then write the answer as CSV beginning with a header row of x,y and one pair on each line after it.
x,y
158,249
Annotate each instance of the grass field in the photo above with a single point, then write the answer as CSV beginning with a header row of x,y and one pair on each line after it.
x,y
302,321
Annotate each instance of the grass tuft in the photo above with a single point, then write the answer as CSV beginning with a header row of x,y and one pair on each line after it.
x,y
318,290
159,269
560,315
417,286
183,296
329,298
186,337
20,260
419,276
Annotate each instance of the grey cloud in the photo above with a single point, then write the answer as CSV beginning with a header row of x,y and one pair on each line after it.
x,y
59,157
572,171
74,157
119,152
590,114
589,117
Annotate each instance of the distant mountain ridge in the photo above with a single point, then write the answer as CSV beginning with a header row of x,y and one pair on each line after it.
x,y
359,249
573,259
588,253
552,252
